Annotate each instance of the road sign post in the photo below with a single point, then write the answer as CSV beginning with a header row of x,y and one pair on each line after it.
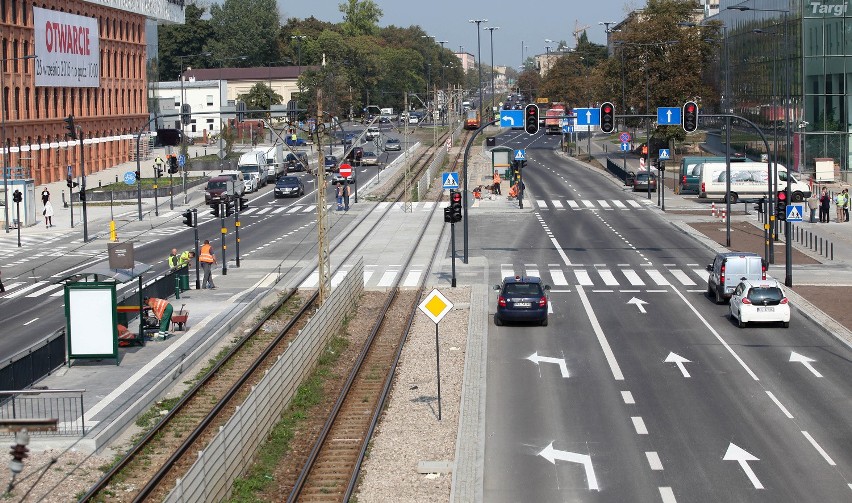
x,y
436,306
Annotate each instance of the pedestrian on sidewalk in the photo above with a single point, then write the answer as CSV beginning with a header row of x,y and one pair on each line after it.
x,y
173,259
347,191
840,200
824,206
846,205
207,259
497,182
45,196
48,214
339,195
813,205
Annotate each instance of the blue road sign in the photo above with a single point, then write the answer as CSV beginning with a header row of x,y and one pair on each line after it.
x,y
625,147
588,116
668,116
567,129
795,211
520,155
181,160
664,154
512,118
450,180
130,178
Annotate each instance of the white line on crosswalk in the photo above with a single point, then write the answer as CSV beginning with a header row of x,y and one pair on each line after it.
x,y
588,203
542,204
633,203
583,277
368,273
532,270
657,277
279,210
632,277
603,204
558,277
249,211
701,273
294,209
388,277
573,204
507,271
558,205
619,204
682,277
17,293
413,278
310,208
44,290
264,210
338,278
608,277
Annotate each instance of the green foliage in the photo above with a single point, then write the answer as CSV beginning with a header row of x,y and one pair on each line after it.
x,y
360,17
260,97
186,39
247,28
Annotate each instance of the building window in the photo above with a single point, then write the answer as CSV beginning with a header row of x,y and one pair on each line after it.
x,y
209,100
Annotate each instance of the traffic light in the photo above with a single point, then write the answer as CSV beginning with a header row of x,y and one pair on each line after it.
x,y
229,206
190,218
531,118
17,197
607,117
243,203
185,111
173,164
158,170
69,181
69,126
456,205
138,176
781,205
690,116
448,215
215,209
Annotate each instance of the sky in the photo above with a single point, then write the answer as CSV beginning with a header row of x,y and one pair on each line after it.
x,y
526,23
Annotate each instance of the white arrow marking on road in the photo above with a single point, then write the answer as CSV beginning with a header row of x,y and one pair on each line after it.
x,y
668,116
509,118
551,454
741,456
549,359
639,303
804,360
679,361
589,117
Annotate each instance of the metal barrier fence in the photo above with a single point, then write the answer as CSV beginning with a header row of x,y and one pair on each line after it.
x,y
64,405
615,169
818,244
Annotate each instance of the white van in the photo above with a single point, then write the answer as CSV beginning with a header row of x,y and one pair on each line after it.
x,y
253,165
749,180
274,163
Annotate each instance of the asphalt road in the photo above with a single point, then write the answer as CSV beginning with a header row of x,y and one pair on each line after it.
x,y
664,399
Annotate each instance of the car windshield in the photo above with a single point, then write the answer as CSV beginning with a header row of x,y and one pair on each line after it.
x,y
393,140
523,289
759,294
215,185
288,180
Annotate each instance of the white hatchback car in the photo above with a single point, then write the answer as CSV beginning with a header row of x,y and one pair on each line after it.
x,y
760,301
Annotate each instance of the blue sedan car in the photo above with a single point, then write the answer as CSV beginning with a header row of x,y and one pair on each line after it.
x,y
521,298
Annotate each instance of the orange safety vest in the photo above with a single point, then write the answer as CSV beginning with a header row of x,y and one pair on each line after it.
x,y
206,254
158,306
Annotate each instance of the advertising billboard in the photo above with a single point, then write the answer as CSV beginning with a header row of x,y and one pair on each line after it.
x,y
66,48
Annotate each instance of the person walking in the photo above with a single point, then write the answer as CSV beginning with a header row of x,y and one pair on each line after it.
x,y
207,259
497,182
339,193
840,201
824,206
48,214
45,196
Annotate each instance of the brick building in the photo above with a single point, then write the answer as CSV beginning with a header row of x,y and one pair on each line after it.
x,y
80,58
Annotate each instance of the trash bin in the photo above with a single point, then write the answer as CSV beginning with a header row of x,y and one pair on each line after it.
x,y
490,141
183,276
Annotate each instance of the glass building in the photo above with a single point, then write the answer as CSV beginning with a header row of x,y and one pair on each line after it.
x,y
809,114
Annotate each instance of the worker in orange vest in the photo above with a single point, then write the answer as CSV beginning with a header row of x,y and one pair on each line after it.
x,y
207,259
163,311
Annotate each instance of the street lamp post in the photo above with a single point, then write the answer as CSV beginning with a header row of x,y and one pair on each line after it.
x,y
479,56
3,141
491,30
788,248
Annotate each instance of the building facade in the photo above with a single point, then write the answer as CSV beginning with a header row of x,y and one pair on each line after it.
x,y
467,59
85,59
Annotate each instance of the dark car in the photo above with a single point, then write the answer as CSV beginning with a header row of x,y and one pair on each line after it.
x,y
330,163
639,182
354,155
296,162
289,186
521,298
216,190
392,144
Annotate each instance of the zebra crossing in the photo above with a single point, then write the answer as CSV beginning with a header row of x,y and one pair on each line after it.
x,y
598,276
592,204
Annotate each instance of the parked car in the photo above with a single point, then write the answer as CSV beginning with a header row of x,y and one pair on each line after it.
x,y
369,158
372,133
728,269
760,301
521,298
330,163
299,142
289,186
639,181
392,144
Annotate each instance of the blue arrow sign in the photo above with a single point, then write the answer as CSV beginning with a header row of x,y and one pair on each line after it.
x,y
512,118
664,154
130,178
520,155
795,211
588,116
450,180
567,129
625,147
181,160
668,116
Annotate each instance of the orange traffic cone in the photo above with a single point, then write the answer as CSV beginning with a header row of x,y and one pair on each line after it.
x,y
713,210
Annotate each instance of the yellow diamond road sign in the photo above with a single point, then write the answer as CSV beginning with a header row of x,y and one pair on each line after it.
x,y
436,306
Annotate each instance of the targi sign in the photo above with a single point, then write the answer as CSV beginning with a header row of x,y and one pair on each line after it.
x,y
67,49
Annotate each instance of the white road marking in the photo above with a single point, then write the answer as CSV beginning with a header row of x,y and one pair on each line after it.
x,y
557,204
24,290
583,277
596,326
639,425
532,270
573,204
632,277
819,449
558,277
608,277
338,278
278,210
413,278
627,397
309,208
780,405
31,321
542,204
561,251
654,460
682,277
368,273
667,495
588,203
248,211
633,203
388,277
618,204
658,278
701,273
45,290
603,203
294,209
506,271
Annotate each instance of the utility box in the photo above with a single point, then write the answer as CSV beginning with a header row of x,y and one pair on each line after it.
x,y
825,170
30,215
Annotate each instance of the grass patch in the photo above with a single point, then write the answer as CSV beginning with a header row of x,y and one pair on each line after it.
x,y
309,394
149,417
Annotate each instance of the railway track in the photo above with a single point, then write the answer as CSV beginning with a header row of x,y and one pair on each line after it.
x,y
149,469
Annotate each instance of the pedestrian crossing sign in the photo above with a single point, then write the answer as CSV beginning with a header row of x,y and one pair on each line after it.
x,y
795,212
664,154
520,155
450,180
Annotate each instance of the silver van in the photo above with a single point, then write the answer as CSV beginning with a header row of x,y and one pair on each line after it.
x,y
728,269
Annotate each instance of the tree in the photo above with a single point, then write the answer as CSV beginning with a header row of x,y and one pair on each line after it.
x,y
360,17
245,28
182,40
260,97
529,82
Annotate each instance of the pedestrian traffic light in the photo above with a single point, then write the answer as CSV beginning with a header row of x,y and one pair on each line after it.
x,y
69,181
243,203
172,163
456,205
17,197
607,117
185,111
531,118
69,126
690,116
448,215
215,209
781,205
229,207
190,218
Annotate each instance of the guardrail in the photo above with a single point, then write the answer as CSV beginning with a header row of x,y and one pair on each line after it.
x,y
64,405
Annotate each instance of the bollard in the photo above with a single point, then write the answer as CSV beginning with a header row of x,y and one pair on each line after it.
x,y
177,286
832,251
713,209
820,246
